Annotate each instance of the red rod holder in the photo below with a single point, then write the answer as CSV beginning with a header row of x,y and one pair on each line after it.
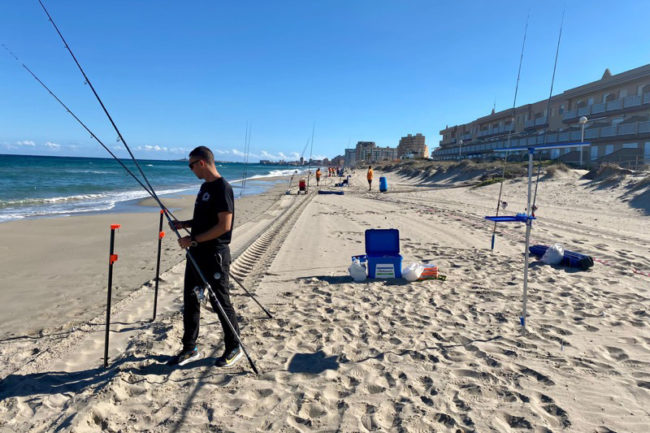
x,y
112,259
115,226
161,235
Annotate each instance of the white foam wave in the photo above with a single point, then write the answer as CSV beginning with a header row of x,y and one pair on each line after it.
x,y
59,206
279,173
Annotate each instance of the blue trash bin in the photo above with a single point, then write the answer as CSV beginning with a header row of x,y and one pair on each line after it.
x,y
383,185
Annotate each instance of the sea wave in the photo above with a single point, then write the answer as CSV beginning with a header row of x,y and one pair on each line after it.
x,y
83,203
279,173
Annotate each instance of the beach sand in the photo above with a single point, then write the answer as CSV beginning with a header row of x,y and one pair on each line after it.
x,y
382,355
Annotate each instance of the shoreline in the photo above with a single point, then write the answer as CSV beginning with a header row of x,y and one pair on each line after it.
x,y
254,186
55,268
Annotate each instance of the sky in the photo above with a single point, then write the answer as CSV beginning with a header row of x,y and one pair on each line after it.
x,y
176,75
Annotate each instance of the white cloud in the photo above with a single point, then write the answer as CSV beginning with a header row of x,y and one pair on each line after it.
x,y
238,153
52,146
150,148
28,143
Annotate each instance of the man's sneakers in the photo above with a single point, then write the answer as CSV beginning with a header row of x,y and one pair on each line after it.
x,y
184,357
229,357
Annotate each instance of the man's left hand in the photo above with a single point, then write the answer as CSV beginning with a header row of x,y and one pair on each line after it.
x,y
185,242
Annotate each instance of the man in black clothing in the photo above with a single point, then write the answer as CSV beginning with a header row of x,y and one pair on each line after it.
x,y
211,231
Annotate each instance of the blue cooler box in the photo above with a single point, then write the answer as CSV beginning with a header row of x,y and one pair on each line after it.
x,y
382,251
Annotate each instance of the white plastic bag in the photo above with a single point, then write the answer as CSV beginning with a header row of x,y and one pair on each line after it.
x,y
357,271
412,272
553,255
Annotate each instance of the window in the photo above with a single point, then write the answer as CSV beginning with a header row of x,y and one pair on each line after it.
x,y
609,149
646,153
630,145
623,93
590,101
555,153
594,153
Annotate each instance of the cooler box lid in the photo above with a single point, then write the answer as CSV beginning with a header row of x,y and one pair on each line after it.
x,y
382,242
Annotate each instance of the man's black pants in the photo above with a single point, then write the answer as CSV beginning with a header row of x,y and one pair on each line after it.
x,y
215,265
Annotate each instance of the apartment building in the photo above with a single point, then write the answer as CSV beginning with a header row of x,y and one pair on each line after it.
x,y
612,113
383,154
350,157
412,146
364,151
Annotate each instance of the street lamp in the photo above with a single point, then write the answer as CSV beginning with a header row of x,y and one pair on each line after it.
x,y
460,145
582,121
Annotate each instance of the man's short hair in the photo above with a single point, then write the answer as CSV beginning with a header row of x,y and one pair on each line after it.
x,y
203,153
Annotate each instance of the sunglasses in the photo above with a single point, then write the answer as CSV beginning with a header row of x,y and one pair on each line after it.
x,y
191,164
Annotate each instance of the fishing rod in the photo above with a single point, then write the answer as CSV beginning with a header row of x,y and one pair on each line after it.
x,y
119,161
530,209
311,148
548,107
92,134
514,106
206,285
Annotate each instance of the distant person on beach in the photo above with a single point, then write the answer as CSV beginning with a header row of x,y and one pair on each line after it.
x,y
369,177
318,176
211,232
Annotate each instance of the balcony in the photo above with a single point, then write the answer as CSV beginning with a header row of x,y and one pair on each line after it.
x,y
570,114
598,108
644,127
628,128
584,111
615,105
608,131
632,101
541,121
592,133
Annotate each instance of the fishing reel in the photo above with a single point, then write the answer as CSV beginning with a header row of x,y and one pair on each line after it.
x,y
199,292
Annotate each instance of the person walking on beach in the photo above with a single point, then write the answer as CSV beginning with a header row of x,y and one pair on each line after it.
x,y
369,177
211,232
318,176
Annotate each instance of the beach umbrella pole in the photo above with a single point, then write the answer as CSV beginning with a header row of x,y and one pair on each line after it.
x,y
112,258
161,235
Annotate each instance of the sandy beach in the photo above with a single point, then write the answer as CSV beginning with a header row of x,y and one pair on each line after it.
x,y
381,355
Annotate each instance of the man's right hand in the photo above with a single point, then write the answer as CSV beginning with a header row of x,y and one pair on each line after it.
x,y
178,225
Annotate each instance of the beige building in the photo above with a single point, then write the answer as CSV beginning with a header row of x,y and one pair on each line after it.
x,y
412,146
613,113
364,151
383,154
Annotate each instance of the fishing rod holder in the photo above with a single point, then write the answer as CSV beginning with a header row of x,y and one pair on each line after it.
x,y
112,258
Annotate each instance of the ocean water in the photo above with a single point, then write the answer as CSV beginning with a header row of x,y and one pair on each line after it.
x,y
42,186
